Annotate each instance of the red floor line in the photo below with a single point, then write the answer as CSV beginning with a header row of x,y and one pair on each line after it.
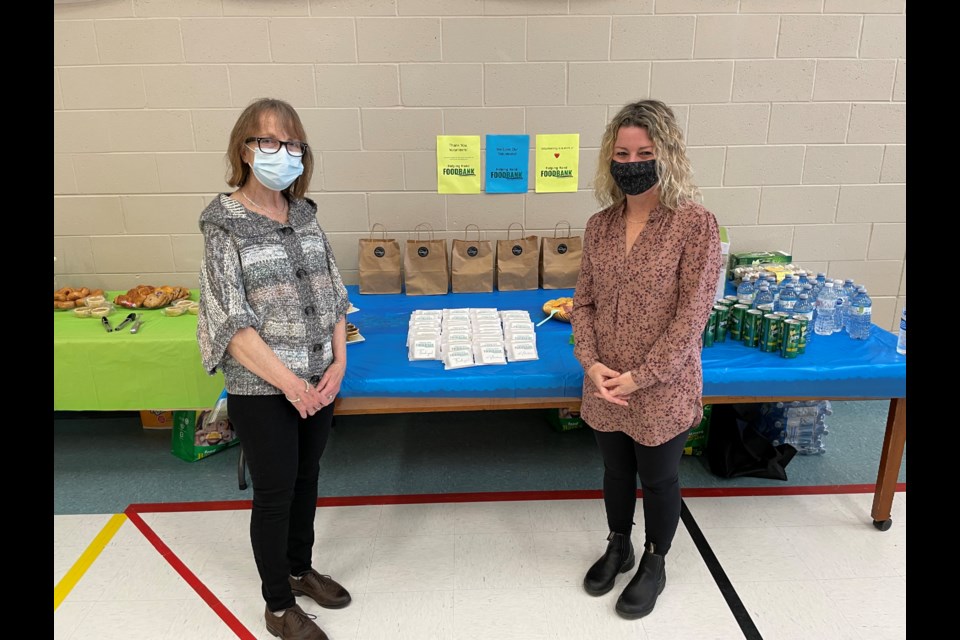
x,y
510,496
212,601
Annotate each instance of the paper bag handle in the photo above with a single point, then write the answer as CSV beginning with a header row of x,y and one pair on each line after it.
x,y
467,228
557,226
512,225
424,226
383,230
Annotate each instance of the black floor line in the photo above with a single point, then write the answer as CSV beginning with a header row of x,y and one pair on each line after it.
x,y
739,611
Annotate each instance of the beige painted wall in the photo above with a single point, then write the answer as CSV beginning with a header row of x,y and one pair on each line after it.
x,y
794,112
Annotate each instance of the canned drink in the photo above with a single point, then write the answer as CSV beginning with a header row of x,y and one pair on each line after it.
x,y
765,308
804,327
770,333
721,323
784,314
735,321
792,333
710,330
732,300
750,331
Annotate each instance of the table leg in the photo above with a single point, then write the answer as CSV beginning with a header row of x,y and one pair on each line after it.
x,y
893,443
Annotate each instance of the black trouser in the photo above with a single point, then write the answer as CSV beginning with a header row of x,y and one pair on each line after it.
x,y
659,470
283,455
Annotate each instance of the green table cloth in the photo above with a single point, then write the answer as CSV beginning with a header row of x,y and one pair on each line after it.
x,y
156,369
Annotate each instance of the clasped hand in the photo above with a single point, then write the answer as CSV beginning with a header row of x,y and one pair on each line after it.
x,y
611,385
311,399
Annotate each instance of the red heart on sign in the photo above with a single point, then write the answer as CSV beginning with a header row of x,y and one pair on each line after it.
x,y
556,155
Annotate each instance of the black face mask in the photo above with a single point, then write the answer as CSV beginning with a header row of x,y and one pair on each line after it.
x,y
634,178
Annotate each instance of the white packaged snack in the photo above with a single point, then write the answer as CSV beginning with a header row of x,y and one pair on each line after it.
x,y
458,360
490,352
457,335
514,326
520,336
455,347
508,316
424,348
520,351
423,332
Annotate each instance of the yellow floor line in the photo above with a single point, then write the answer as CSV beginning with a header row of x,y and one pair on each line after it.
x,y
87,558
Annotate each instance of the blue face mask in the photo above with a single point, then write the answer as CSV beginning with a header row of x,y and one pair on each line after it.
x,y
278,170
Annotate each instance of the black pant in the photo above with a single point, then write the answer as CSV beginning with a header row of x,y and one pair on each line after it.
x,y
659,470
283,455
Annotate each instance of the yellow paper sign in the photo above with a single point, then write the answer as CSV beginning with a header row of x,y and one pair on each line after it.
x,y
458,164
558,162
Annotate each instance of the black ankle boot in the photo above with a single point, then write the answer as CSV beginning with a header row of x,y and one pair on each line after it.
x,y
641,592
618,558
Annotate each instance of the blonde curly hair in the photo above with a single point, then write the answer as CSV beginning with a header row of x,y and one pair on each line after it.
x,y
673,166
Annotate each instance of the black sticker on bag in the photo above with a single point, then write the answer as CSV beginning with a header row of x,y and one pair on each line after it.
x,y
472,252
517,249
561,249
379,252
423,252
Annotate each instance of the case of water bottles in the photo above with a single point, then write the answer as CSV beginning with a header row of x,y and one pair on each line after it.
x,y
801,424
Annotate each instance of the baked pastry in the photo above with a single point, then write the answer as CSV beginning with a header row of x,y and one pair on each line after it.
x,y
562,306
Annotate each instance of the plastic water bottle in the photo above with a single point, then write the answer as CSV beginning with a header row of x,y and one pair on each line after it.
x,y
788,298
861,314
774,286
764,298
746,291
849,293
821,279
826,310
902,338
841,301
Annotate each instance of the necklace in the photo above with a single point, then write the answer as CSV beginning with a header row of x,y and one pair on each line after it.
x,y
259,206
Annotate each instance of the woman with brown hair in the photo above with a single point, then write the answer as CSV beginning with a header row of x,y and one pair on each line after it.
x,y
272,319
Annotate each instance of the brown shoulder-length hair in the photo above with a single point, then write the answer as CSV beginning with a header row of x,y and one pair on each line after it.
x,y
673,166
247,125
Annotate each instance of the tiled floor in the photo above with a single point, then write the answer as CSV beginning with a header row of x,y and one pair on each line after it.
x,y
810,567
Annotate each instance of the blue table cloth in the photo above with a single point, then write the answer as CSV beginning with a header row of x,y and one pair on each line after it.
x,y
833,366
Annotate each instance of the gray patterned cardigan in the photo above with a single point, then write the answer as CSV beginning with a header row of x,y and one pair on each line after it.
x,y
280,279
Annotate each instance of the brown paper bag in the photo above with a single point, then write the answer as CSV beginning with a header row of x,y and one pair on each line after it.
x,y
425,268
379,263
560,259
472,264
517,263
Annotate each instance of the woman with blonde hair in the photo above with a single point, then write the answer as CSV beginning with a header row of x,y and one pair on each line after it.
x,y
648,276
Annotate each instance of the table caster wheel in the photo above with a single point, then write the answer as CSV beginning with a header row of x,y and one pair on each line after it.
x,y
883,525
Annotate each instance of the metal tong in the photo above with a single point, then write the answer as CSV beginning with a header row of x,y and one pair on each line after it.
x,y
130,318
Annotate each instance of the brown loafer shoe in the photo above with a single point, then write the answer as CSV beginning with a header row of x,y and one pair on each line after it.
x,y
324,590
294,624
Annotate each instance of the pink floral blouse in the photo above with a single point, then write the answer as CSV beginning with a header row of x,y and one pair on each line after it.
x,y
644,312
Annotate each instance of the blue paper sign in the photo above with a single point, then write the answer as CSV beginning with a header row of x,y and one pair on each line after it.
x,y
508,163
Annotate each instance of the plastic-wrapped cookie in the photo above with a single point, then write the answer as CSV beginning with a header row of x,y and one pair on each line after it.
x,y
174,311
82,312
101,312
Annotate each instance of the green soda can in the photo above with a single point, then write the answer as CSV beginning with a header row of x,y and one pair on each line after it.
x,y
735,321
709,332
770,333
804,327
765,308
732,300
792,333
721,323
750,331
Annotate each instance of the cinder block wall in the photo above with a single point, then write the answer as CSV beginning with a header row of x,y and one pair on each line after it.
x,y
794,112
